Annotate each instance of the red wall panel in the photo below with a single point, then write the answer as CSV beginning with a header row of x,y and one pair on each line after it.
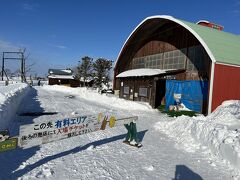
x,y
226,84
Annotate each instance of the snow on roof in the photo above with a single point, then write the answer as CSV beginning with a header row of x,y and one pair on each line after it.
x,y
61,76
142,72
202,21
60,71
67,70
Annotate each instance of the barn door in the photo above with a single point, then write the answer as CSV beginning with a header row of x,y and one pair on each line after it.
x,y
160,92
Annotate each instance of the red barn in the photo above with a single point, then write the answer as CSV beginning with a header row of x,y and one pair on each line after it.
x,y
164,55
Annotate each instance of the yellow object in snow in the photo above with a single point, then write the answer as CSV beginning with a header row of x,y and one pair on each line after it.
x,y
112,121
100,116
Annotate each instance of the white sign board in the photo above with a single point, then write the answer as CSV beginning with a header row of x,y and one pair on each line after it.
x,y
53,130
44,132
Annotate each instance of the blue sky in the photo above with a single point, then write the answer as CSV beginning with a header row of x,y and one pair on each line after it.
x,y
57,33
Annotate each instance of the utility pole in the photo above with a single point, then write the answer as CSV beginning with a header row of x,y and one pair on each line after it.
x,y
2,65
22,65
24,68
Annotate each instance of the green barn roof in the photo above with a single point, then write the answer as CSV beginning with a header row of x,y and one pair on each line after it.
x,y
225,47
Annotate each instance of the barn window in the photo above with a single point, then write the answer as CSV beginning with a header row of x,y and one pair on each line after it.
x,y
126,89
174,59
168,60
143,91
138,63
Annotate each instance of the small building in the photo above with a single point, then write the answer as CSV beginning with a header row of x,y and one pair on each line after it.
x,y
164,56
210,24
62,77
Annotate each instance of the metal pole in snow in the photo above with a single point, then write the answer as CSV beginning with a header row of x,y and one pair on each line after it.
x,y
2,65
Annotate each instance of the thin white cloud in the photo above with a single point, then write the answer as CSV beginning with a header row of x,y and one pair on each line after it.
x,y
8,46
60,46
29,7
237,3
236,11
53,36
236,8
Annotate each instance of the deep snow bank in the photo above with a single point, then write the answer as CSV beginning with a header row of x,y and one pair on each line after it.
x,y
219,132
10,98
101,98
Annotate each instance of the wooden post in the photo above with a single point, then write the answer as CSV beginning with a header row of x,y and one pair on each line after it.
x,y
153,97
134,87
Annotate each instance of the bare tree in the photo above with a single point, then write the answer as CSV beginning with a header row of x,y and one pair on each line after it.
x,y
8,72
28,68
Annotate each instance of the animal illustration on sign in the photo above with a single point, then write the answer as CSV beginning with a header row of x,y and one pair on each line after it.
x,y
4,135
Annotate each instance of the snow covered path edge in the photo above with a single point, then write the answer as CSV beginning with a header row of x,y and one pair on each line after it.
x,y
10,99
219,132
94,96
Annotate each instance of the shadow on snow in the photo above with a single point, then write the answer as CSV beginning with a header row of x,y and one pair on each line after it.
x,y
11,160
184,173
30,108
45,160
37,113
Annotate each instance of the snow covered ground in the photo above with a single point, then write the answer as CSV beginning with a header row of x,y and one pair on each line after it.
x,y
95,97
10,98
170,149
217,134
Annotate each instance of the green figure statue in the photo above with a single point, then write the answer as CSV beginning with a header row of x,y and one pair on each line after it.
x,y
131,137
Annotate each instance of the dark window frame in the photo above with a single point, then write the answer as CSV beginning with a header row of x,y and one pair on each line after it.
x,y
140,94
124,91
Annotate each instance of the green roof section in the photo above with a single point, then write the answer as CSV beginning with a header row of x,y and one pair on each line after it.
x,y
225,47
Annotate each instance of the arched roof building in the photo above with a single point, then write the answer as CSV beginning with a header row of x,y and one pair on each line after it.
x,y
163,55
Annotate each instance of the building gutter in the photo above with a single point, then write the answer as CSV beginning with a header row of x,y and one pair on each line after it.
x,y
211,88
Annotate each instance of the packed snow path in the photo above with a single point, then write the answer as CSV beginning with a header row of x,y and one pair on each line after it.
x,y
101,154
